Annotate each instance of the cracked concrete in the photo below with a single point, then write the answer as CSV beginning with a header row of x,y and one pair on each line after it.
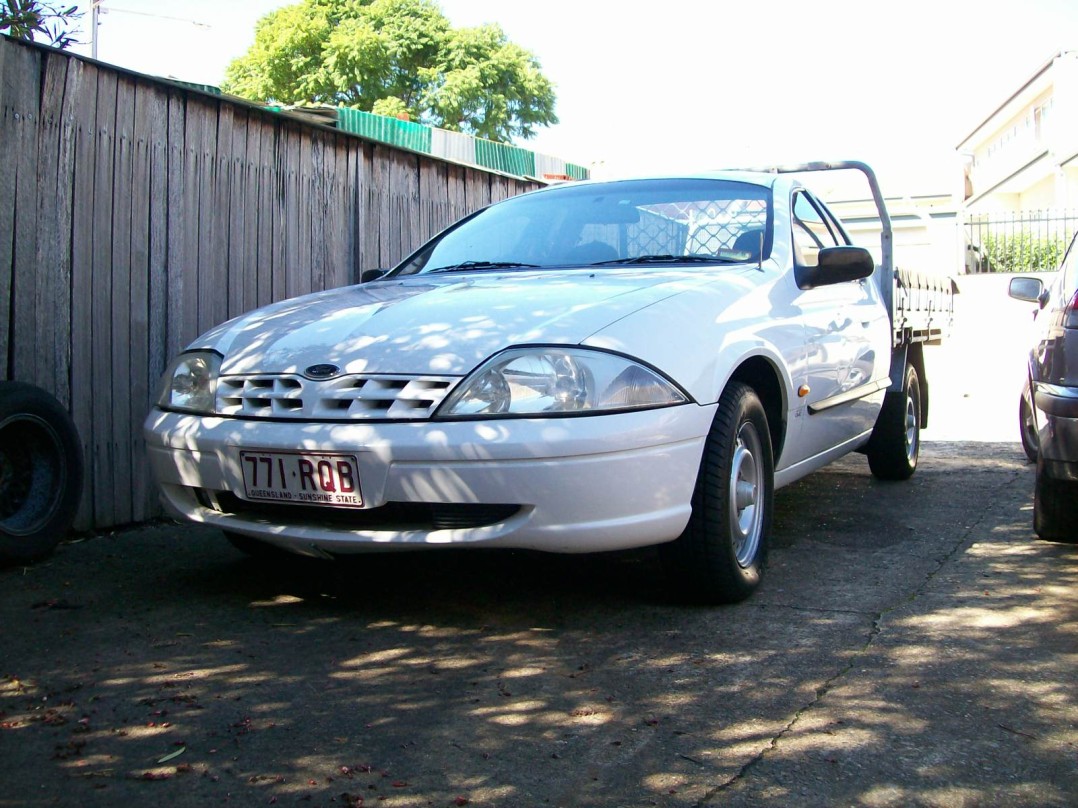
x,y
913,644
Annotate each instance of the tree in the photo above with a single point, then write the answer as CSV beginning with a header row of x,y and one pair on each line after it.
x,y
30,20
395,57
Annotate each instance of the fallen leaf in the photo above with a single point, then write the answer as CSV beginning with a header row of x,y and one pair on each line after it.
x,y
172,755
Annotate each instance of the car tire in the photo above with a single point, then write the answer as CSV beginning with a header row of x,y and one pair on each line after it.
x,y
895,445
1027,425
40,472
1054,508
720,556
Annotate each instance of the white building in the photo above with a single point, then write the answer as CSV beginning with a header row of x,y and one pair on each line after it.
x,y
1024,155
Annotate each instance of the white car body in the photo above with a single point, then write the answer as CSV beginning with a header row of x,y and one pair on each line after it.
x,y
568,483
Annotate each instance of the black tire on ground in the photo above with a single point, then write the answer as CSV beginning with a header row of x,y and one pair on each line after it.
x,y
1027,426
720,556
255,547
40,472
1055,505
895,444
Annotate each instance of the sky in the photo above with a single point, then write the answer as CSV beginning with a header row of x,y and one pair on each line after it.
x,y
646,88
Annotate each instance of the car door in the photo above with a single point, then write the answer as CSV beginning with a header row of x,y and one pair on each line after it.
x,y
846,331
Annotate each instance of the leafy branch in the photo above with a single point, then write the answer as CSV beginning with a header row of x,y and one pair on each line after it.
x,y
34,20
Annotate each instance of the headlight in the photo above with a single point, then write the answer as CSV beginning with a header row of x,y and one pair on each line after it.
x,y
542,381
191,383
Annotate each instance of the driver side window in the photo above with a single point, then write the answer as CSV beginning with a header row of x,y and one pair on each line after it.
x,y
811,231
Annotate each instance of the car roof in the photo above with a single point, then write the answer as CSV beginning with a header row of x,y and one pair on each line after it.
x,y
762,178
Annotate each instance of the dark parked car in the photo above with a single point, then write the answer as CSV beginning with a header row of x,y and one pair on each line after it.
x,y
1048,411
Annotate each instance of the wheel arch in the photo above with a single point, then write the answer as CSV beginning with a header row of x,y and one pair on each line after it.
x,y
760,373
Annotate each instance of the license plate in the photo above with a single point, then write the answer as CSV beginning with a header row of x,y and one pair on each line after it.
x,y
302,478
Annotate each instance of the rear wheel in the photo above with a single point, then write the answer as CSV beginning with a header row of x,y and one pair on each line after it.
x,y
40,471
1055,506
720,556
895,444
1027,425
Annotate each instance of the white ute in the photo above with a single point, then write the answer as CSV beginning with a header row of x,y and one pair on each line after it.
x,y
592,366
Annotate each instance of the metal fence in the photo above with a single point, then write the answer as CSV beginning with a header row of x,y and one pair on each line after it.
x,y
1025,241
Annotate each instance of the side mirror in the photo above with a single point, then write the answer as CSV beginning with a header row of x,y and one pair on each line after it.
x,y
371,275
1031,290
836,265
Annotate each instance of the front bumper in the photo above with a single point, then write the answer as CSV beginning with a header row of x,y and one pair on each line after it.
x,y
582,484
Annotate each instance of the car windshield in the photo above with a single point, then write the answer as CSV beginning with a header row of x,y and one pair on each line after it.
x,y
633,222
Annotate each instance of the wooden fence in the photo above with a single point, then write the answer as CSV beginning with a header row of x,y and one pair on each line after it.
x,y
135,213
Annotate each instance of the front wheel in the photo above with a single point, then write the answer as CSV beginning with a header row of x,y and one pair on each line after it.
x,y
1027,425
720,556
895,444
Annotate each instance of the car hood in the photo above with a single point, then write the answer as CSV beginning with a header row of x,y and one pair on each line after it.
x,y
444,325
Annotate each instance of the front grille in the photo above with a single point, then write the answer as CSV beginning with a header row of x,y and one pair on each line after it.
x,y
346,398
391,516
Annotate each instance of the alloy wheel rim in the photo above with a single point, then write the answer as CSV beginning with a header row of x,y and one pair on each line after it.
x,y
745,491
911,428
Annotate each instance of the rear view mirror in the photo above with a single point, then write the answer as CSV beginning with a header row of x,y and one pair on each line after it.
x,y
836,265
1031,290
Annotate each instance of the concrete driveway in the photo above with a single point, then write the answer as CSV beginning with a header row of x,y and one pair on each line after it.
x,y
913,644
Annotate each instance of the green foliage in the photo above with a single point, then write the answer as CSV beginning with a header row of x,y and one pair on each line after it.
x,y
35,20
1019,251
396,57
391,108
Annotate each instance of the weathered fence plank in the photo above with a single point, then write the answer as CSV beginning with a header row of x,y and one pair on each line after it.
x,y
188,222
156,101
236,245
158,198
176,262
67,157
248,236
381,226
210,290
82,275
216,273
318,208
24,103
138,303
302,269
136,213
51,294
103,461
9,86
123,210
269,244
289,269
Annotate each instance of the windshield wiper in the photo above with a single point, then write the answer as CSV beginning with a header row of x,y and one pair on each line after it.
x,y
667,259
463,265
